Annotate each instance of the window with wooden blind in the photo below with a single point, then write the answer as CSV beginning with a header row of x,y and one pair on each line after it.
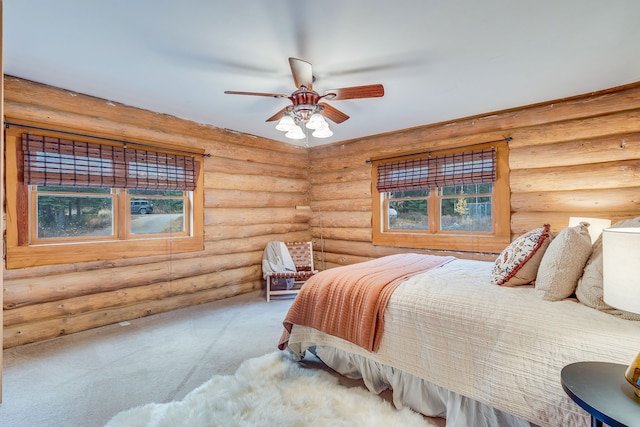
x,y
446,200
51,161
78,200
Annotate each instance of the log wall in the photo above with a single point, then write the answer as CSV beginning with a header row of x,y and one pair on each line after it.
x,y
2,168
574,157
251,189
578,156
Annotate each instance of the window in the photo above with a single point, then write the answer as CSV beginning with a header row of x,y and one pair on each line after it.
x,y
75,200
69,213
450,200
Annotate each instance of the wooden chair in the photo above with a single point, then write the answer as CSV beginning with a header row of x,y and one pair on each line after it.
x,y
302,256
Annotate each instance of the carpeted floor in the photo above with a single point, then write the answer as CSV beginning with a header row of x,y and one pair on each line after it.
x,y
86,378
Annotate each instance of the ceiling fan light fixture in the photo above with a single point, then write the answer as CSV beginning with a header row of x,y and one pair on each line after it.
x,y
295,133
323,131
286,123
315,121
306,109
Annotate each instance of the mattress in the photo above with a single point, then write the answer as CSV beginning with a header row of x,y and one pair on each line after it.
x,y
498,346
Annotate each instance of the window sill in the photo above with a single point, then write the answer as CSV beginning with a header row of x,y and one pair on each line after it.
x,y
464,243
73,252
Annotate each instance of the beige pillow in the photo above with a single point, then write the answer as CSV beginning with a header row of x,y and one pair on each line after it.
x,y
589,290
518,263
563,262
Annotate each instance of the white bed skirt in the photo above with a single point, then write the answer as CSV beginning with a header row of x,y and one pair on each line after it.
x,y
420,395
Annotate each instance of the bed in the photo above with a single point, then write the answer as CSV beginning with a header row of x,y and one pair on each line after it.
x,y
455,345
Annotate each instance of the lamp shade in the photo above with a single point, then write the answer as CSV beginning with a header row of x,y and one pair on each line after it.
x,y
315,121
323,131
621,268
285,124
295,133
596,225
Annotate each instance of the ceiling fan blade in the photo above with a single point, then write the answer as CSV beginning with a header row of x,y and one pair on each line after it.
x,y
276,116
271,95
302,73
333,113
354,92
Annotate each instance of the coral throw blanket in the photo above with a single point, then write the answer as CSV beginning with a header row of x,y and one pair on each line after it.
x,y
349,302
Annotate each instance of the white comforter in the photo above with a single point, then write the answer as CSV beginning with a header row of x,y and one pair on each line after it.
x,y
504,347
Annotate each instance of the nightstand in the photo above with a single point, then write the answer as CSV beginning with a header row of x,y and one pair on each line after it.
x,y
601,389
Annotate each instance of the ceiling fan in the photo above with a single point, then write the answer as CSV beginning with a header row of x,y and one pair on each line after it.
x,y
306,107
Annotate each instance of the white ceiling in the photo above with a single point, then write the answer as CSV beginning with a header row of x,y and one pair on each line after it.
x,y
437,59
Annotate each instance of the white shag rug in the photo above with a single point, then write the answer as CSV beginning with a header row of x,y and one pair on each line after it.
x,y
272,390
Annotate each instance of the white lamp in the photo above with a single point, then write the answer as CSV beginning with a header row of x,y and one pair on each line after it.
x,y
315,121
323,131
308,115
596,225
621,279
285,124
295,133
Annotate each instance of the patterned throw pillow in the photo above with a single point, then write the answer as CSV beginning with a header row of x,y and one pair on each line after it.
x,y
518,263
563,262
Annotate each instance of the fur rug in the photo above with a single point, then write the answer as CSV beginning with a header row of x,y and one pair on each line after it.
x,y
272,390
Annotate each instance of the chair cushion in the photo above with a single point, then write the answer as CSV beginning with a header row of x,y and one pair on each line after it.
x,y
292,275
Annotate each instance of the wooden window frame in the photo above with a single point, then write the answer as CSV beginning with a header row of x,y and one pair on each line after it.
x,y
20,253
433,238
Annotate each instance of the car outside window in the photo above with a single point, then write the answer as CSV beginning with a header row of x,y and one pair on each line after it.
x,y
72,201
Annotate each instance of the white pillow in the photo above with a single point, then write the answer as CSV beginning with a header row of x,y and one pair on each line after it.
x,y
589,290
563,262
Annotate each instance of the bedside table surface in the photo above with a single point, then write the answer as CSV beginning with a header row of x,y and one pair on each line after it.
x,y
601,389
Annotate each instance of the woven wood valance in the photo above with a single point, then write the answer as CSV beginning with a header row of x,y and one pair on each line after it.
x,y
61,162
432,171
